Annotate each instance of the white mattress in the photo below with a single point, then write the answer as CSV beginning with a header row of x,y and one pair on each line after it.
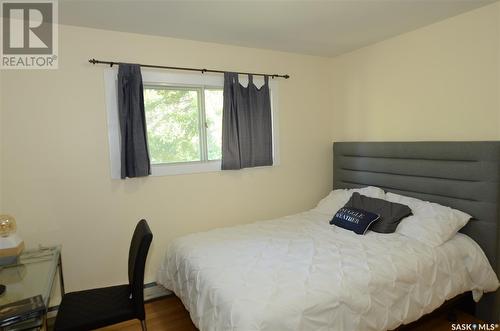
x,y
300,273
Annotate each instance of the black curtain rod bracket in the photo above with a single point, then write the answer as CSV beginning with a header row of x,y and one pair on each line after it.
x,y
110,63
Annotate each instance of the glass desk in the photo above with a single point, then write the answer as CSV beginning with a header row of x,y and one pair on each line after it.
x,y
33,275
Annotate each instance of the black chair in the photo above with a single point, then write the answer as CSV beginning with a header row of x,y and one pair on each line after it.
x,y
92,309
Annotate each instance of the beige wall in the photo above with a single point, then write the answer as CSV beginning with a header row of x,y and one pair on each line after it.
x,y
440,82
1,146
56,162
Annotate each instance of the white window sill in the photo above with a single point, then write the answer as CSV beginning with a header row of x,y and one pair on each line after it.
x,y
194,168
185,168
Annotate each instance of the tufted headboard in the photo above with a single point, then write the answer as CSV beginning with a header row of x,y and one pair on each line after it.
x,y
462,175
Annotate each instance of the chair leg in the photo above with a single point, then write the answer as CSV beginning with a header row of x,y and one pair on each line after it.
x,y
143,325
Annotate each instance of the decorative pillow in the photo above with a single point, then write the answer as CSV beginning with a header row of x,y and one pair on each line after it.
x,y
391,213
354,219
338,198
431,223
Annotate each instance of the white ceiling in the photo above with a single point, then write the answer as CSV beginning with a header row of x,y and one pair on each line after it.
x,y
326,28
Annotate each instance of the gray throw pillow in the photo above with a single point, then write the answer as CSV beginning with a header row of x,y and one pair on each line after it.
x,y
391,213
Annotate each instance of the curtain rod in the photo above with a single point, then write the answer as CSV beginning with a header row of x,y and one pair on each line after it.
x,y
111,63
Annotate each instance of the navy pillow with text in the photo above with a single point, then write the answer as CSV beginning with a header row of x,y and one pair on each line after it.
x,y
354,219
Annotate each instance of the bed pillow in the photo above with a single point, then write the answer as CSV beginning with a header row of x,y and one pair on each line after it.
x,y
391,213
338,198
354,219
430,223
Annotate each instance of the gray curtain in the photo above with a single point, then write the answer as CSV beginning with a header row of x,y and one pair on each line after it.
x,y
134,145
246,124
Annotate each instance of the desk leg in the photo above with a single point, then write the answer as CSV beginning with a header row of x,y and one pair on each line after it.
x,y
61,277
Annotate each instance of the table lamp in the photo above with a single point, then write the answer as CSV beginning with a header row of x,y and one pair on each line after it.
x,y
11,245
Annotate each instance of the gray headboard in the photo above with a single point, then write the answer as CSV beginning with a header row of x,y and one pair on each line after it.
x,y
462,175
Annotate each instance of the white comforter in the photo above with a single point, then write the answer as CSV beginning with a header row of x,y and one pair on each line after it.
x,y
300,273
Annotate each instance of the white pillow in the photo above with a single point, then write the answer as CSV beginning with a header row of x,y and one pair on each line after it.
x,y
431,223
338,198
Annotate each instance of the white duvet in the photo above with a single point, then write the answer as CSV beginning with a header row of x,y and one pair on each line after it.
x,y
300,273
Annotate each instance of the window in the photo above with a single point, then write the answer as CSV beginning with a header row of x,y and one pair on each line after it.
x,y
184,123
183,118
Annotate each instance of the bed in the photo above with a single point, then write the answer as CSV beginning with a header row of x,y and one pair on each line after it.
x,y
300,273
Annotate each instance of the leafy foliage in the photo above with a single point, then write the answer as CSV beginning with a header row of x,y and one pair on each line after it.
x,y
172,117
173,128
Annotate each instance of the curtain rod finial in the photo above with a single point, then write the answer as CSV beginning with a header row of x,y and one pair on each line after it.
x,y
286,76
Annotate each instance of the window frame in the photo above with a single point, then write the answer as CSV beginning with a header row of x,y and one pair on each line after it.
x,y
155,78
202,117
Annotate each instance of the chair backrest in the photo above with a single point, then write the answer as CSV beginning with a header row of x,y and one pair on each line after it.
x,y
139,247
